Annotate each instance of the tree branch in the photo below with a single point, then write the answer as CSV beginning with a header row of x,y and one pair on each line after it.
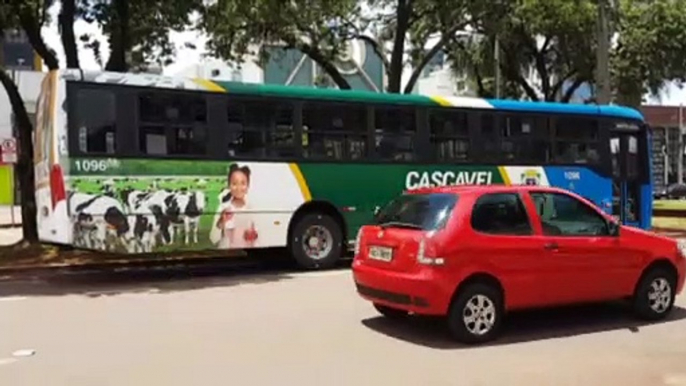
x,y
514,74
66,23
417,71
378,49
570,91
539,60
558,85
29,24
313,53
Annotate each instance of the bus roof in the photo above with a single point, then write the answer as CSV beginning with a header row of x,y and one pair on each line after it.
x,y
300,92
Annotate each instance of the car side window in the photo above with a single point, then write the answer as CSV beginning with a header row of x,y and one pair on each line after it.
x,y
563,215
501,214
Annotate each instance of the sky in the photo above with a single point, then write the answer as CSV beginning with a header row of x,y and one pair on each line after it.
x,y
185,57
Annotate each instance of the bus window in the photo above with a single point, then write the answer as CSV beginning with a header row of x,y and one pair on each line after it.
x,y
261,129
280,133
576,141
172,124
334,131
488,139
396,130
245,138
524,138
449,135
96,121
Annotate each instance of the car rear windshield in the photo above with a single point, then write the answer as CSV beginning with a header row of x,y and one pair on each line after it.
x,y
418,211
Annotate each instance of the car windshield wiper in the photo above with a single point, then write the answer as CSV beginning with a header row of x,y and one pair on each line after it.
x,y
399,224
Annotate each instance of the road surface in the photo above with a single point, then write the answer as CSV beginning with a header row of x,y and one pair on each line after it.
x,y
263,326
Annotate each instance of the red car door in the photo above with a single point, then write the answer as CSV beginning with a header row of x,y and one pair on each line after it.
x,y
504,243
588,261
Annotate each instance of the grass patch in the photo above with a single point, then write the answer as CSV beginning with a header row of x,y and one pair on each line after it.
x,y
669,205
676,223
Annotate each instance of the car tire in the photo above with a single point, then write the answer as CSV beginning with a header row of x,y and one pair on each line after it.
x,y
475,315
655,294
390,312
329,240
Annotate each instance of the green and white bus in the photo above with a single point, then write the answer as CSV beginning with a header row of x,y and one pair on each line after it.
x,y
138,163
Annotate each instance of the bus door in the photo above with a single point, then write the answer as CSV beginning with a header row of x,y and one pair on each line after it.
x,y
626,175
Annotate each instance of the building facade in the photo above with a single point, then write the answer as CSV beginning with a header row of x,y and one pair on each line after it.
x,y
25,68
668,145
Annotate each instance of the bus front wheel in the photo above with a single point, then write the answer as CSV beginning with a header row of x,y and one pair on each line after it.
x,y
316,241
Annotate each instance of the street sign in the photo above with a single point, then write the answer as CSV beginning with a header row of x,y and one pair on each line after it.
x,y
8,151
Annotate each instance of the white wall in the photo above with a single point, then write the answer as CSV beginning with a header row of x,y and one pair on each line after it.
x,y
28,83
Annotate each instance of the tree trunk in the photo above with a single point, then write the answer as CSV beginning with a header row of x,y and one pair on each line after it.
x,y
66,22
395,71
119,38
25,164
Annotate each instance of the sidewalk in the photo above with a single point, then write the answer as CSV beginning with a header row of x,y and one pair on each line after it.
x,y
6,216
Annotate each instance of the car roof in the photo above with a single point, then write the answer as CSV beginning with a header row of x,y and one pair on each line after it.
x,y
481,189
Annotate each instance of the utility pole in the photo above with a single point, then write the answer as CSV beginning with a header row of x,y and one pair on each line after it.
x,y
496,54
680,158
603,54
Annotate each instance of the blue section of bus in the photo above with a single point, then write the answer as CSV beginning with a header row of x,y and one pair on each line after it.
x,y
583,182
566,108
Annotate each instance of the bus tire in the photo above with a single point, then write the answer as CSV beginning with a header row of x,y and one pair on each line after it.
x,y
316,241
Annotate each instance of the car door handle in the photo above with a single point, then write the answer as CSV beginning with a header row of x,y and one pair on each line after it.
x,y
551,246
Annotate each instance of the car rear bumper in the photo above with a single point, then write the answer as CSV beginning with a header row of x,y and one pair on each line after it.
x,y
421,292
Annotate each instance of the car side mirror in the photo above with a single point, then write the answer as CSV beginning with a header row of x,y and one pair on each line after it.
x,y
613,228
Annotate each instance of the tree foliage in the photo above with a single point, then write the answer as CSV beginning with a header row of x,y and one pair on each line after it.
x,y
551,38
137,31
650,49
402,32
556,41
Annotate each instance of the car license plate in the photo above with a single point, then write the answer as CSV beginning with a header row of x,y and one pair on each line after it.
x,y
381,253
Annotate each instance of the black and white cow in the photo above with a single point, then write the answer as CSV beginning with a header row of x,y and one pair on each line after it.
x,y
191,207
100,221
158,204
157,209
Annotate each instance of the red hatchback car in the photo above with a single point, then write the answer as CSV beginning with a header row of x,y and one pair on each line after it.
x,y
472,253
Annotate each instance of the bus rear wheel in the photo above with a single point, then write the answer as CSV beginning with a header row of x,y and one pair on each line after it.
x,y
316,241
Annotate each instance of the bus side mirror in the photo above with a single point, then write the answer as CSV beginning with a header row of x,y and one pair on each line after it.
x,y
377,209
613,228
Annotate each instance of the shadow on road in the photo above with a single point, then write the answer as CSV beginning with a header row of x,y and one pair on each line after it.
x,y
520,327
155,278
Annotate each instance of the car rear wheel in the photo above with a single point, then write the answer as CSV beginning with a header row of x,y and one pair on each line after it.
x,y
655,293
475,316
316,241
390,312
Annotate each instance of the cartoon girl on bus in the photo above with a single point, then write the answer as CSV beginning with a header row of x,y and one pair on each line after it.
x,y
230,227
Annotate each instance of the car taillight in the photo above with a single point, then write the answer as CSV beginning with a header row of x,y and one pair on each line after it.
x,y
358,239
426,254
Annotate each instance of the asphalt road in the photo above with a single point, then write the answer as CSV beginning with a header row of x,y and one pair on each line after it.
x,y
251,324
